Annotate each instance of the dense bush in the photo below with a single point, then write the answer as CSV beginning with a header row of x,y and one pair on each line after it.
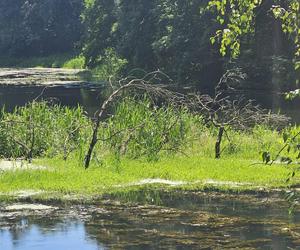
x,y
175,36
41,130
39,28
139,129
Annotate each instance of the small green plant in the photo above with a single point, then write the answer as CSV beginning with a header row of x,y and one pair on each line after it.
x,y
290,150
288,154
75,63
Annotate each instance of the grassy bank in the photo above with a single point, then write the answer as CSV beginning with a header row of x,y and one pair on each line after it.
x,y
181,157
67,61
193,173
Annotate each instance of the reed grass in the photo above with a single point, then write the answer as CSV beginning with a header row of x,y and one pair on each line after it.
x,y
191,161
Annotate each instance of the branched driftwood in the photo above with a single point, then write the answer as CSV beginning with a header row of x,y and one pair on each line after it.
x,y
150,84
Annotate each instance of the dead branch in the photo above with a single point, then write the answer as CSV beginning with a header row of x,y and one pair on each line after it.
x,y
150,84
222,110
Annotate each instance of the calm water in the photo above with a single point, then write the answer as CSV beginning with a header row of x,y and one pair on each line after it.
x,y
90,98
181,221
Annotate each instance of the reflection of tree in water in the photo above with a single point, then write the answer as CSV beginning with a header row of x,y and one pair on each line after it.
x,y
12,96
184,222
153,227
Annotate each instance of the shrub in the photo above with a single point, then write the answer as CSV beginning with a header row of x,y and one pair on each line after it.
x,y
75,63
42,130
140,129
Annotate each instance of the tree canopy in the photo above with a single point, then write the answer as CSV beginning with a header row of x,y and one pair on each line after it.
x,y
193,41
33,27
238,17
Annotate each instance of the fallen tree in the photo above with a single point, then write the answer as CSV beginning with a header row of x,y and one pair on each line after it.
x,y
150,85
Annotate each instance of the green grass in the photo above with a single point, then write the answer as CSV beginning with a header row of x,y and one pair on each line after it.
x,y
74,63
194,163
51,61
69,178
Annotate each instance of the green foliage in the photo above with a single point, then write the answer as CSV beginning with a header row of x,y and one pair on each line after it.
x,y
99,18
237,18
288,154
51,61
138,129
237,144
292,94
289,151
169,35
75,63
110,67
290,18
180,38
41,130
291,137
39,28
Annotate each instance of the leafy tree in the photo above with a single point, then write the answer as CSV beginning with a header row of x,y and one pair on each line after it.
x,y
182,45
10,20
137,25
238,17
36,27
100,22
154,35
175,36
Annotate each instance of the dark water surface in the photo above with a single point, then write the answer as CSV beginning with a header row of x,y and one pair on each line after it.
x,y
89,96
181,221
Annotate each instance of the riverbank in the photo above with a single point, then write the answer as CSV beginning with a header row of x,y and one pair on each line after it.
x,y
192,167
56,179
67,61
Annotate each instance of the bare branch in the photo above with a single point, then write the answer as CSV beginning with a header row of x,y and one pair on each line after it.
x,y
150,84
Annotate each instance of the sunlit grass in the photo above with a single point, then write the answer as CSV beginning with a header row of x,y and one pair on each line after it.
x,y
70,178
111,171
51,61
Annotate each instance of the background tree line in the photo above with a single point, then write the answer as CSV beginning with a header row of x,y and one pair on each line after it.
x,y
39,28
174,36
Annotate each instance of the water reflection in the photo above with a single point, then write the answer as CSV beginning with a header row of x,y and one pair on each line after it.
x,y
89,96
66,236
183,223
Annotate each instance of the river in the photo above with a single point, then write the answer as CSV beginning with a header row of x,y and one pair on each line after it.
x,y
151,220
20,86
179,221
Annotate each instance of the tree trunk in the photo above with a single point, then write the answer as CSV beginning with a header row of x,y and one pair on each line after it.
x,y
218,143
92,145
